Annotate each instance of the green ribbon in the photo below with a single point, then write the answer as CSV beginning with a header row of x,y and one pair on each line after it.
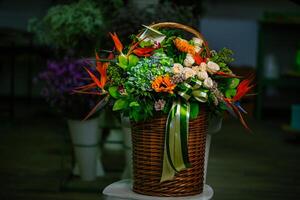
x,y
176,141
193,89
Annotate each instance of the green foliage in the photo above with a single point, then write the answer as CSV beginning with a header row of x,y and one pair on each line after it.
x,y
114,92
120,104
127,62
233,82
229,93
223,58
71,26
117,74
141,111
132,60
123,61
194,110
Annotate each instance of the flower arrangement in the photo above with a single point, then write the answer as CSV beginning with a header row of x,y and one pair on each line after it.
x,y
162,73
59,79
144,78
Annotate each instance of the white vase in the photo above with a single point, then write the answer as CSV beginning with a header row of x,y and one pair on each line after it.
x,y
215,124
85,137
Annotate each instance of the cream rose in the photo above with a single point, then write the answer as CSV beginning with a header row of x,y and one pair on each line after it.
x,y
197,41
208,83
202,75
177,68
196,68
189,60
202,66
213,67
188,73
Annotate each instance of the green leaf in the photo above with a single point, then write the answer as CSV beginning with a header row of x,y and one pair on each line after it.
x,y
133,60
123,61
223,106
134,104
114,92
230,93
194,110
233,82
146,43
120,104
135,114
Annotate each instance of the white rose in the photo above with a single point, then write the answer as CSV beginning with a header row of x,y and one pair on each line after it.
x,y
177,68
197,49
213,67
188,73
197,41
202,66
202,75
189,60
196,68
208,83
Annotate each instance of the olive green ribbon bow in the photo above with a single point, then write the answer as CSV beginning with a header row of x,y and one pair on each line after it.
x,y
175,156
193,89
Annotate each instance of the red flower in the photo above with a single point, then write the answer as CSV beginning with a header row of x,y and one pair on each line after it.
x,y
118,44
198,59
146,51
243,88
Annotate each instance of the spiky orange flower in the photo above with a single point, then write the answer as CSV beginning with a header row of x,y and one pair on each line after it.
x,y
243,88
163,84
101,68
184,46
118,43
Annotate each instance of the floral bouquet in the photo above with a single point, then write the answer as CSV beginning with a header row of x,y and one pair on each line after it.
x,y
167,85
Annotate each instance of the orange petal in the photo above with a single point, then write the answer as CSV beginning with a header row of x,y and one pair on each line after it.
x,y
94,78
143,51
118,44
86,87
98,106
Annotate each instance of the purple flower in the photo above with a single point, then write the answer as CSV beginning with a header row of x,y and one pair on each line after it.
x,y
59,79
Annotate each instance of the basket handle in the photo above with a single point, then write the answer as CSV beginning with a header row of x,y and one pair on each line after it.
x,y
182,27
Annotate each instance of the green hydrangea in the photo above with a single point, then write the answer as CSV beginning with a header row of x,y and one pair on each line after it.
x,y
141,76
116,74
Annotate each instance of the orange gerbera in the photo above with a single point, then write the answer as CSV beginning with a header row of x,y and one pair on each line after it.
x,y
163,84
184,46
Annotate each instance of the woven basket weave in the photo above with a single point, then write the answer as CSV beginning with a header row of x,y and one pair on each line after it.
x,y
148,149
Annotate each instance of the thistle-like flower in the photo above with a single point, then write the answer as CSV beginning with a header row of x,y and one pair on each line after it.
x,y
178,78
159,105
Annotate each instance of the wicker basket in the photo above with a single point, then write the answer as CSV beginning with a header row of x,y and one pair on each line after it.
x,y
148,149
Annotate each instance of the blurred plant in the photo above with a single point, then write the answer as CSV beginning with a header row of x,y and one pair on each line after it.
x,y
59,79
76,26
127,20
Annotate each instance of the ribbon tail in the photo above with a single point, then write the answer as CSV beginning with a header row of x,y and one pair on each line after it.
x,y
176,137
168,171
177,157
184,129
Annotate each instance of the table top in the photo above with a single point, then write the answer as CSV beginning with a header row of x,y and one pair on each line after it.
x,y
122,190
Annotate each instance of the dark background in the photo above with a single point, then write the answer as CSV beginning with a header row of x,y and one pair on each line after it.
x,y
35,149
